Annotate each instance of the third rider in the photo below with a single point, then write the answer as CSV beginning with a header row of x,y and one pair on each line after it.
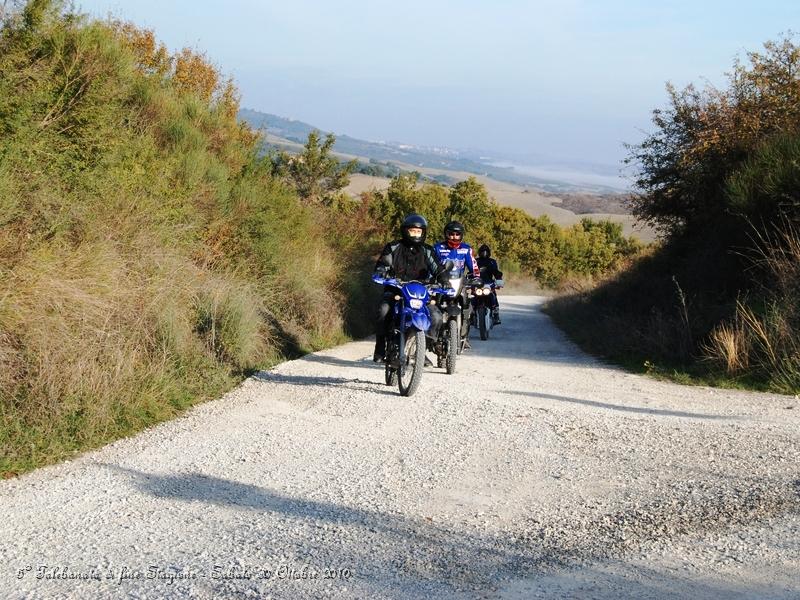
x,y
490,273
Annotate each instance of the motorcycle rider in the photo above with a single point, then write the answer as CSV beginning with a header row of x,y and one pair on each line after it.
x,y
454,248
408,258
490,273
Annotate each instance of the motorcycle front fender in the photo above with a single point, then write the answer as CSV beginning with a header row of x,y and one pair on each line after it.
x,y
454,310
420,320
480,301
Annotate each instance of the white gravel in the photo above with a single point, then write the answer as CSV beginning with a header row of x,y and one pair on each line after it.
x,y
534,471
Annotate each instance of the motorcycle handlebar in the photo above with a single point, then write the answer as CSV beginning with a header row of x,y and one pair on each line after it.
x,y
394,282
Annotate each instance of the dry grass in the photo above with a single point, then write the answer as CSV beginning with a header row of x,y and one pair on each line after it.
x,y
764,335
728,346
518,284
107,339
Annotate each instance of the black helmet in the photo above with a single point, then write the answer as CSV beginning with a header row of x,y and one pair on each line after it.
x,y
454,226
484,251
414,220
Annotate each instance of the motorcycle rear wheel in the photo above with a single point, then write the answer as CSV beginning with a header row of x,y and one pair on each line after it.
x,y
390,375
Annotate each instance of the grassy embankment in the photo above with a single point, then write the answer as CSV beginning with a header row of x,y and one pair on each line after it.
x,y
149,258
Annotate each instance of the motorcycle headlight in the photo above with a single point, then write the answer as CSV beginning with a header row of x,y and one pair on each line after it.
x,y
415,303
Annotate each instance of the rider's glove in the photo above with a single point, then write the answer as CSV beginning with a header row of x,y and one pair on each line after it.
x,y
498,282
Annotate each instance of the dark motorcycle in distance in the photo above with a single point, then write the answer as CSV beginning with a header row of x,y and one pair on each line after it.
x,y
482,306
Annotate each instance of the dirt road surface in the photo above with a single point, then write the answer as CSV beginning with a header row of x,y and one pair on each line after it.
x,y
533,471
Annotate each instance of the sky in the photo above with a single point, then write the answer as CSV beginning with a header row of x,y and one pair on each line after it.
x,y
571,80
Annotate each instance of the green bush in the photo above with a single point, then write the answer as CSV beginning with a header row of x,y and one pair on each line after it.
x,y
534,246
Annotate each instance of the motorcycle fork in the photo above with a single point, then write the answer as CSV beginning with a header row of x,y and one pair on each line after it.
x,y
401,336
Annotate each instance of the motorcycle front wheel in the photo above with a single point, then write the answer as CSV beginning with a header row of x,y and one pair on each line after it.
x,y
414,360
390,371
483,322
452,346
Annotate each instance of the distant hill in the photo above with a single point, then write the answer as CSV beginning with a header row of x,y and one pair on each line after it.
x,y
407,155
295,131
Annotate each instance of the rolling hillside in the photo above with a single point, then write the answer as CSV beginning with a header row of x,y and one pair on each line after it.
x,y
285,131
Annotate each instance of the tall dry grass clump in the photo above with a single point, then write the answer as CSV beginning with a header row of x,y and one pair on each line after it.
x,y
764,335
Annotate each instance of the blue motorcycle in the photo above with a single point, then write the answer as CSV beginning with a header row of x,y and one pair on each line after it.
x,y
405,345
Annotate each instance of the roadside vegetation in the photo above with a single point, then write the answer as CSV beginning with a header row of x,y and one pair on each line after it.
x,y
152,254
720,178
527,246
148,257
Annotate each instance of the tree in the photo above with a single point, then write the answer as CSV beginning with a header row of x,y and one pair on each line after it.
x,y
406,196
151,56
469,201
703,137
315,173
470,204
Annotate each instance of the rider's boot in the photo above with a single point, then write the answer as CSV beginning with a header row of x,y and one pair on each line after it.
x,y
496,316
380,349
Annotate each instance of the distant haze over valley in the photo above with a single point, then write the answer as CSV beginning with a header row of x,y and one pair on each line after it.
x,y
534,170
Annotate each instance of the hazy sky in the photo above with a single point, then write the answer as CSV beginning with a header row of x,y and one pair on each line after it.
x,y
565,78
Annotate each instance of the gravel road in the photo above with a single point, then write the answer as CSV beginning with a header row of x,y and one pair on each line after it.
x,y
534,471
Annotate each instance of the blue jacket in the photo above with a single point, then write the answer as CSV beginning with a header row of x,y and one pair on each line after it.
x,y
461,256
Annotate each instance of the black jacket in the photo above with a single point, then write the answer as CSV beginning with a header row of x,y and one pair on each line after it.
x,y
407,263
489,270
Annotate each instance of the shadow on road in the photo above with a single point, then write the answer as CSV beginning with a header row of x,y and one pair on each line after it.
x,y
526,333
375,386
364,363
622,408
438,560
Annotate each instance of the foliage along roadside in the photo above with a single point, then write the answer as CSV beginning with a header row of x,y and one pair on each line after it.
x,y
529,246
149,258
719,177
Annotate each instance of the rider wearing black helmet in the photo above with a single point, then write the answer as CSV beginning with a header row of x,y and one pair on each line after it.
x,y
490,273
408,258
